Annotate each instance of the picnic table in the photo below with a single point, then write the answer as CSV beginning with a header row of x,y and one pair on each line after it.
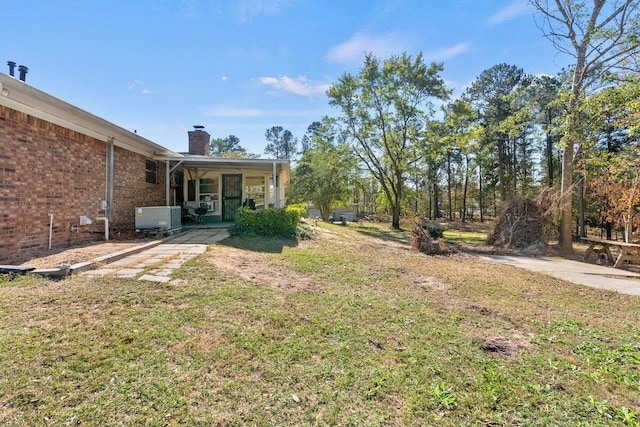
x,y
626,251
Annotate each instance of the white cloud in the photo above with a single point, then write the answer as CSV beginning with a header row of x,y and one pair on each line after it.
x,y
381,46
224,78
509,12
448,53
298,86
134,84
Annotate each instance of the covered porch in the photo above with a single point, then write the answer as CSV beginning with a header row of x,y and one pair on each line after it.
x,y
219,186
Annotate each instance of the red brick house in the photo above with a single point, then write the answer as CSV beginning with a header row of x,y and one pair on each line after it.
x,y
62,167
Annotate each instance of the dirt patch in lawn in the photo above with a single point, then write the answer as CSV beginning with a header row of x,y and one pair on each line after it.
x,y
504,347
257,268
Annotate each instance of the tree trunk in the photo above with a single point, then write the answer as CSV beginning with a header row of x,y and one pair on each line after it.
x,y
449,185
549,152
395,221
565,243
436,204
495,203
581,209
514,168
481,194
501,160
430,204
464,189
325,211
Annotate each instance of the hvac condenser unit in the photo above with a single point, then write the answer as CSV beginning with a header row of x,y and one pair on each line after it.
x,y
162,217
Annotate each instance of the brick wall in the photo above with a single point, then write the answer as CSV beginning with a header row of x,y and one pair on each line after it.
x,y
199,142
47,169
129,168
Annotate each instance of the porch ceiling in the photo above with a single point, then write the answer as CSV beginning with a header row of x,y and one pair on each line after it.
x,y
228,165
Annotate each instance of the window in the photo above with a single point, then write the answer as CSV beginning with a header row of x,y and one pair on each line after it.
x,y
209,193
191,190
208,185
151,171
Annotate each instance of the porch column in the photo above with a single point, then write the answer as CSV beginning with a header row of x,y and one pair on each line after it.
x,y
167,180
170,170
276,196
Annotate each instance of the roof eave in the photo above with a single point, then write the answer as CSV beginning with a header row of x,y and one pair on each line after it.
x,y
21,97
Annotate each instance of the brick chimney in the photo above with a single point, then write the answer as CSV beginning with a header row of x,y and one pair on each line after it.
x,y
199,141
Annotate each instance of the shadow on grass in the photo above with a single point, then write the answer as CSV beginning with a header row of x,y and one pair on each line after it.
x,y
465,237
398,236
265,244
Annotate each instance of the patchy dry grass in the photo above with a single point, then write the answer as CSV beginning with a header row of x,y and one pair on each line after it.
x,y
350,329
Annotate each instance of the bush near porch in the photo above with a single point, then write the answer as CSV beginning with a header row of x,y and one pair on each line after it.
x,y
268,222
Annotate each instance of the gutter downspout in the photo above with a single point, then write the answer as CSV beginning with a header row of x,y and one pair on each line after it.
x,y
109,180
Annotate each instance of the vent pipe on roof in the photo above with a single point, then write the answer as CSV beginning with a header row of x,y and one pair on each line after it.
x,y
23,72
12,67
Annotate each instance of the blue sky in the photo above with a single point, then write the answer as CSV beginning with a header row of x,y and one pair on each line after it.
x,y
240,67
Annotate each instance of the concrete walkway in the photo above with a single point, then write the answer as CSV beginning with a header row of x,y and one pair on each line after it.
x,y
158,263
581,273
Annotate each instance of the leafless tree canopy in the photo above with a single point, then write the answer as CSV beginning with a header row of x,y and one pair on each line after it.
x,y
603,33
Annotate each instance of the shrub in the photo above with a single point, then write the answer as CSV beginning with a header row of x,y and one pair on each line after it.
x,y
299,209
269,222
305,232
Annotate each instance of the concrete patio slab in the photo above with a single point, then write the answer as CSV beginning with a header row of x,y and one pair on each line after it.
x,y
166,255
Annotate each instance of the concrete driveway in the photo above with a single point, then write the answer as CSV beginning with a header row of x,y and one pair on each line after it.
x,y
581,273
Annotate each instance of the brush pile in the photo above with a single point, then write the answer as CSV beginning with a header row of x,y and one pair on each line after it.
x,y
523,224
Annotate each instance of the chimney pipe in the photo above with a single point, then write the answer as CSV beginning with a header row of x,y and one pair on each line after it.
x,y
12,66
23,72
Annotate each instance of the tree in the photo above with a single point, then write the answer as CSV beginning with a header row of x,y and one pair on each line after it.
x,y
308,139
544,96
613,135
384,110
325,171
464,132
617,184
601,37
229,147
492,95
282,144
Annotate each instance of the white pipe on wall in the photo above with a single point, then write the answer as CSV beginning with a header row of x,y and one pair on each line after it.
x,y
106,226
50,228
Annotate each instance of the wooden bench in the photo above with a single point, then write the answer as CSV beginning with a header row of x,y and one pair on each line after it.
x,y
626,251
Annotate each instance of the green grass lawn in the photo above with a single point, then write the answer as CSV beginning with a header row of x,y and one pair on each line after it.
x,y
359,331
470,237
